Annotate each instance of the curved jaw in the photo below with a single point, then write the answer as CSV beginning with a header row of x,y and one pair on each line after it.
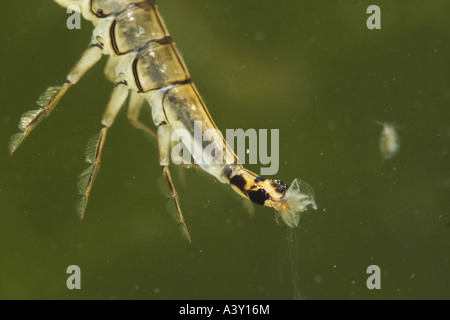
x,y
297,199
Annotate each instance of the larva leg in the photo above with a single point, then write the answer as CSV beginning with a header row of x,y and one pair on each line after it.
x,y
134,109
110,68
249,207
68,3
164,135
182,175
48,100
95,146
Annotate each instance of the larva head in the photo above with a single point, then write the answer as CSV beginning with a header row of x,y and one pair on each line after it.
x,y
289,202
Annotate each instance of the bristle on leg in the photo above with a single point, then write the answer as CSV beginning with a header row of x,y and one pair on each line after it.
x,y
31,119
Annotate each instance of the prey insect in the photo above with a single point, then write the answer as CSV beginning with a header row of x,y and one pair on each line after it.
x,y
389,140
146,66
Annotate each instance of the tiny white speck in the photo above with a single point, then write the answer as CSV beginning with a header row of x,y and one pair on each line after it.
x,y
260,36
317,279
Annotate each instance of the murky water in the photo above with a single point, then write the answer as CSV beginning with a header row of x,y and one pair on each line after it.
x,y
312,70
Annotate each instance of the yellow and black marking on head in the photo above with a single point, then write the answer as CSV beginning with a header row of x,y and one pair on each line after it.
x,y
257,189
287,201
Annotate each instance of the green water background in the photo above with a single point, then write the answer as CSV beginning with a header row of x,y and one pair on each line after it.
x,y
309,68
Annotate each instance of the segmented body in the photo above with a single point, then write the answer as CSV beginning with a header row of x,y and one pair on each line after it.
x,y
144,61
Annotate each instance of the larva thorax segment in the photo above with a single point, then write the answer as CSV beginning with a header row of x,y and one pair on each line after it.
x,y
145,55
105,8
127,25
93,10
136,26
